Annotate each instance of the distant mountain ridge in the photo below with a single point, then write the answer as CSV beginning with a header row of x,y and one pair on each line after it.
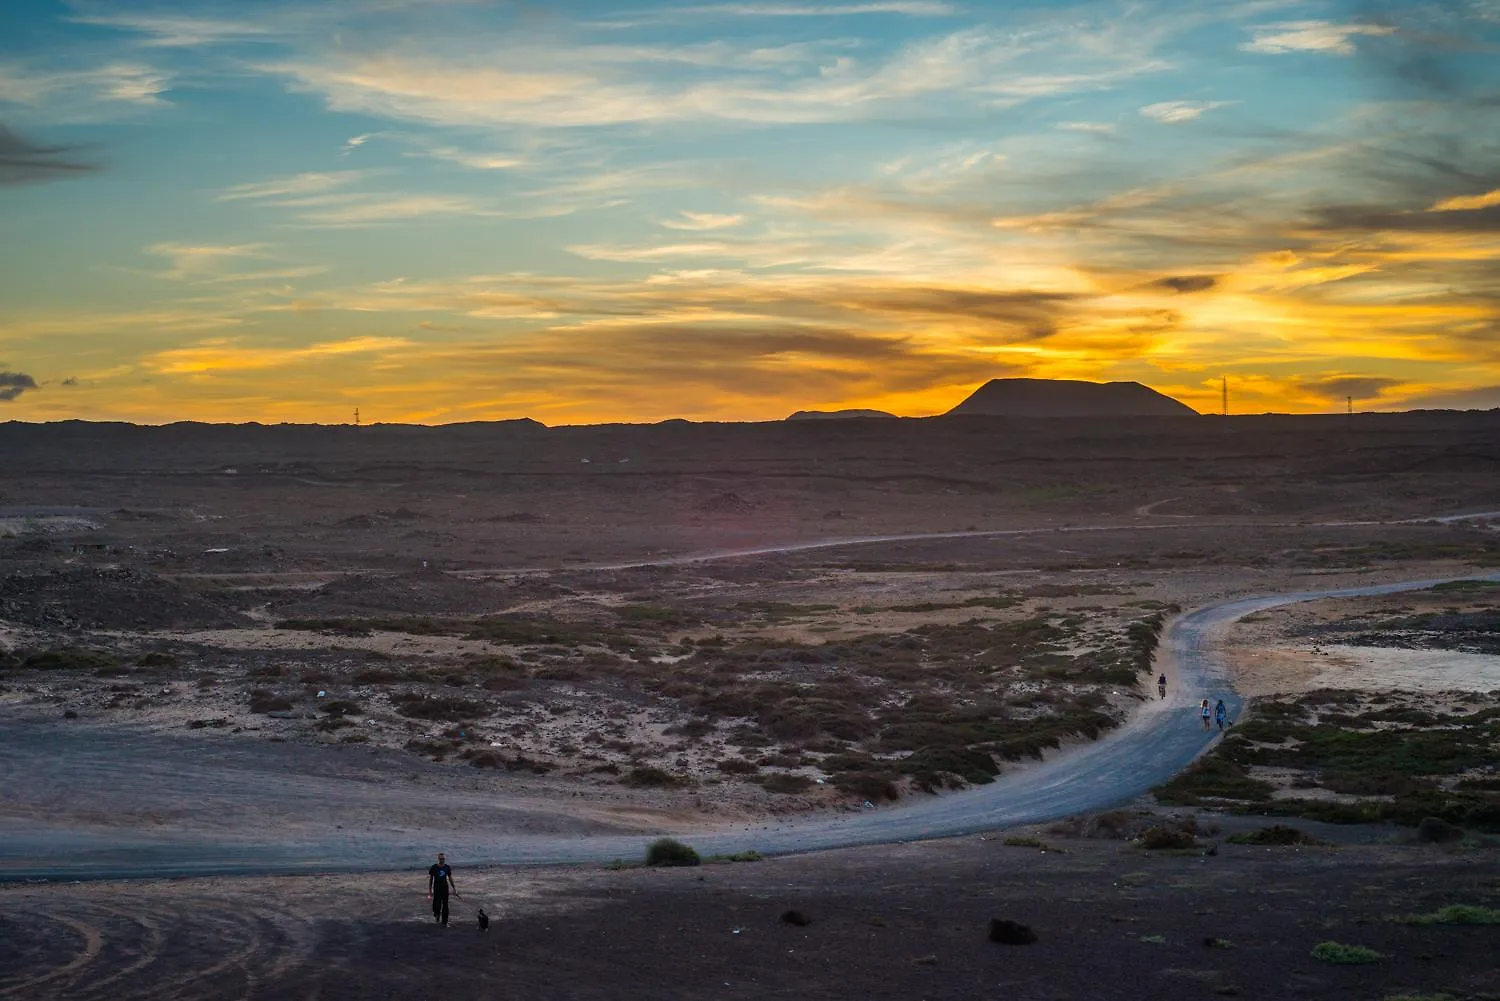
x,y
834,415
1069,398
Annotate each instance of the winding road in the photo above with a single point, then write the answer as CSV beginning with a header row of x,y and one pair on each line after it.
x,y
1159,739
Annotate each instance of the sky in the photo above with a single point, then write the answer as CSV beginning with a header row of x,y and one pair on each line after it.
x,y
587,212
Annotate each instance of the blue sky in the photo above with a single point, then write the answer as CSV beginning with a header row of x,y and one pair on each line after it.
x,y
585,211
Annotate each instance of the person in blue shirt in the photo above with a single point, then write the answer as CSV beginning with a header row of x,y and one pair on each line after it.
x,y
439,883
1220,713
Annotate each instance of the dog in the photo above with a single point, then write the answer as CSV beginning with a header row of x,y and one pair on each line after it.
x,y
484,920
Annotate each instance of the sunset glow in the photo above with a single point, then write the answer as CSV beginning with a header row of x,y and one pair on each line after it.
x,y
587,212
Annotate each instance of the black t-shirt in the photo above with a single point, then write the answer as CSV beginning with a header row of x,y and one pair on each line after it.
x,y
439,875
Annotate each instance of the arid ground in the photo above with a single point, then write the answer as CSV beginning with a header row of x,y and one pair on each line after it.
x,y
627,630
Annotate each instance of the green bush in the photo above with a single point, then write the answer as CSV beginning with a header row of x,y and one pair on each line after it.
x,y
669,852
1456,914
1345,955
869,786
442,707
783,784
1213,777
1159,838
68,659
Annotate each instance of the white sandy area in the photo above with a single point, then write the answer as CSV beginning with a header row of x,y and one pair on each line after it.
x,y
1410,670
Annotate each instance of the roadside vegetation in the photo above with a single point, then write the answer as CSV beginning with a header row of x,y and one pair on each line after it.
x,y
654,692
1350,758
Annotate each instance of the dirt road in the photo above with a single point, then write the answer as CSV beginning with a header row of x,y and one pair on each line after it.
x,y
167,807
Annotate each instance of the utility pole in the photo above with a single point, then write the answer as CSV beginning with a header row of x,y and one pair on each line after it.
x,y
1350,401
356,417
1224,392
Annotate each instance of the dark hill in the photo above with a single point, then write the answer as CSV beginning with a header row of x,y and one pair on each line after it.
x,y
829,415
1069,398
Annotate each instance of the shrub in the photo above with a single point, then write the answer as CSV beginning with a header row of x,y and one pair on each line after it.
x,y
329,724
670,852
651,777
738,766
378,676
1212,777
155,658
1456,914
871,786
1276,834
263,701
1346,955
1024,842
785,785
1156,838
68,659
342,707
443,707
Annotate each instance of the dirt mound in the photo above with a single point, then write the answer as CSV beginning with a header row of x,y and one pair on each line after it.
x,y
106,598
1069,398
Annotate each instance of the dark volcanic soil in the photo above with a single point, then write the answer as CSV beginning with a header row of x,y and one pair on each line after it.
x,y
905,921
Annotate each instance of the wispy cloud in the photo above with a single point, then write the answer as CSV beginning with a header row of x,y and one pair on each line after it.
x,y
1173,112
1468,203
82,94
587,85
190,261
215,264
1311,36
375,209
912,8
228,355
180,30
296,184
702,221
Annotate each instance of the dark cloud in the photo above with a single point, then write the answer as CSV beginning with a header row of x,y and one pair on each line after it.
x,y
1035,314
1361,387
1187,283
22,161
13,384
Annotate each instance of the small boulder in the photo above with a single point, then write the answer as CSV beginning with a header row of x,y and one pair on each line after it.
x,y
795,918
1005,932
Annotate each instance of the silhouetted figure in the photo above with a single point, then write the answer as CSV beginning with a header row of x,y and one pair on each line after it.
x,y
484,920
1161,685
439,883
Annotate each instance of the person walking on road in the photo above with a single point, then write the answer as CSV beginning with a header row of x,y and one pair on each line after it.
x,y
1161,685
1205,711
1221,712
439,883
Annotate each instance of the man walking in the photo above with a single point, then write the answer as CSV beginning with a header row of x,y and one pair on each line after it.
x,y
439,882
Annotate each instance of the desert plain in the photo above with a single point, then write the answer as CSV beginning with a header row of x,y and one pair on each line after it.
x,y
253,677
